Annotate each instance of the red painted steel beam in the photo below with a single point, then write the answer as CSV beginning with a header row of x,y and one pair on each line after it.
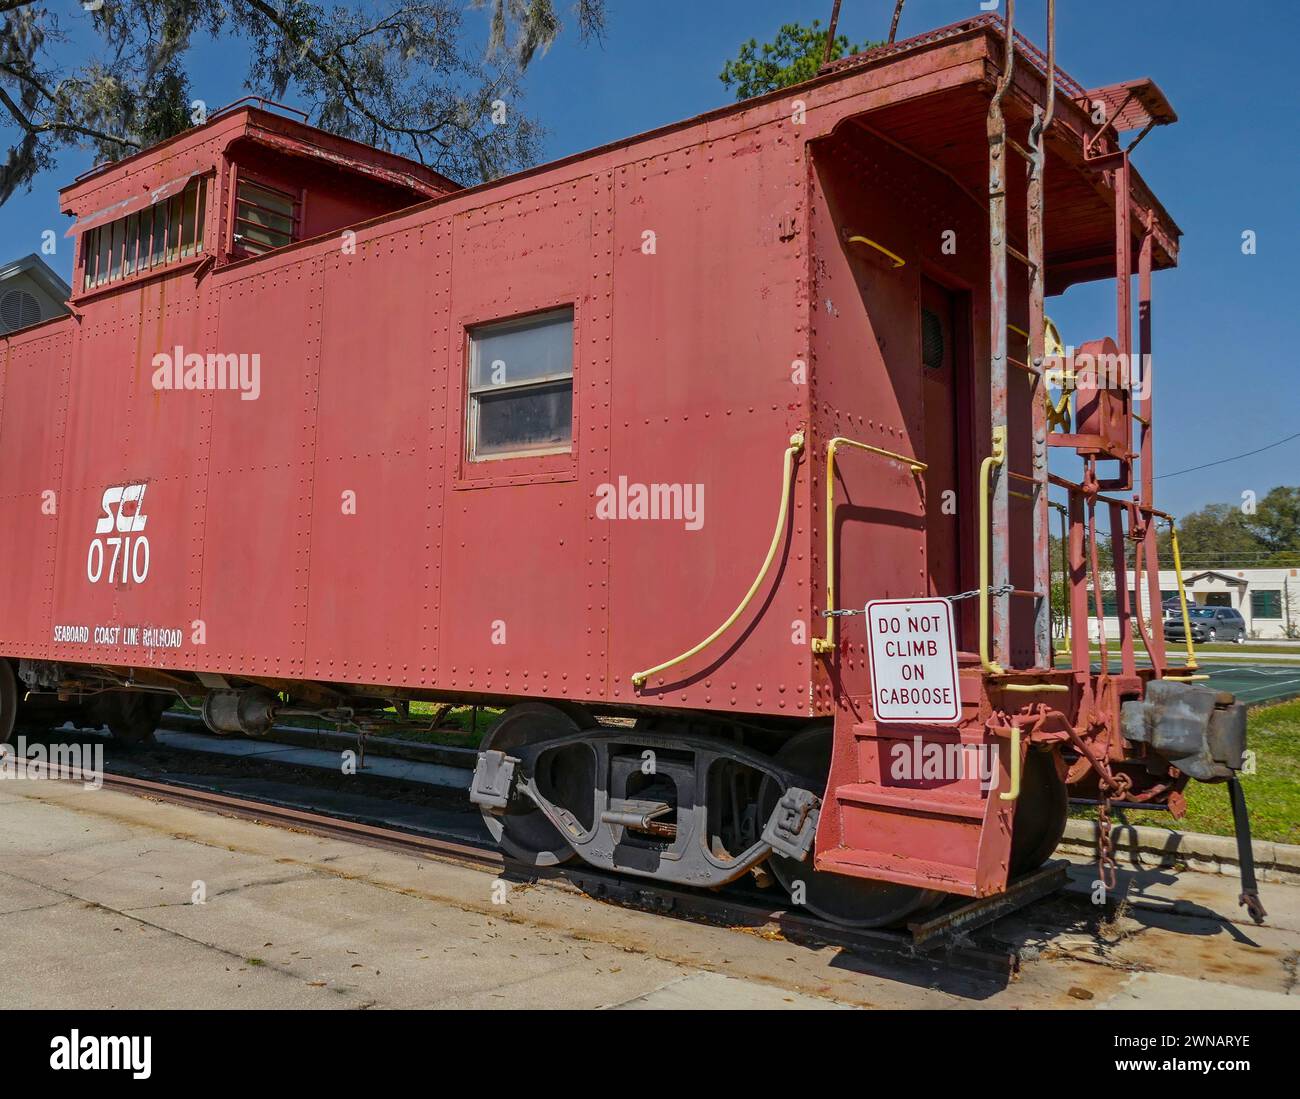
x,y
1000,511
1146,407
1037,350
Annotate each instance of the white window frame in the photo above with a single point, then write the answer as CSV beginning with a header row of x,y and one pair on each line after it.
x,y
546,381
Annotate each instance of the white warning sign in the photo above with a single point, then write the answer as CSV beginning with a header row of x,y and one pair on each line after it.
x,y
913,661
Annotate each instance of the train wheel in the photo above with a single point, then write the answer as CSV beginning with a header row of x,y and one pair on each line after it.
x,y
850,902
132,716
567,777
8,701
1041,811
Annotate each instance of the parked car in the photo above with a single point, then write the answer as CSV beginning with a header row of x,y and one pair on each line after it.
x,y
1208,624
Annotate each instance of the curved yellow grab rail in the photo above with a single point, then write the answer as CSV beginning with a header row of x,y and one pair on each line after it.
x,y
898,260
998,456
1014,792
827,644
1182,597
792,452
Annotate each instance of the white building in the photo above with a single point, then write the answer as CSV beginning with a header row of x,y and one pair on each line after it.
x,y
1268,599
30,292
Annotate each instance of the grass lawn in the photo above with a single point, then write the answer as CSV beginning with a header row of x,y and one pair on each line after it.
x,y
1272,792
457,728
1289,652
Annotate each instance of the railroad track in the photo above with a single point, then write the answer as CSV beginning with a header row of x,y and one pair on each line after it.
x,y
940,940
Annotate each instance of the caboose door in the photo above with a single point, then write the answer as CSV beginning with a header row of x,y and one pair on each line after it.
x,y
943,489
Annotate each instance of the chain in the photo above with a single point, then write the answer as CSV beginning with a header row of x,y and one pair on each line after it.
x,y
1106,867
1005,589
1105,843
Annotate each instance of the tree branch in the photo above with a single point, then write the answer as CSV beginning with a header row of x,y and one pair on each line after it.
x,y
338,72
16,111
49,125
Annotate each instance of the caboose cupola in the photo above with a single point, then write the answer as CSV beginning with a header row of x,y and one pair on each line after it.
x,y
246,182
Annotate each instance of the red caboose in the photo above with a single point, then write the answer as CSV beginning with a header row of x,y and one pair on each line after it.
x,y
634,435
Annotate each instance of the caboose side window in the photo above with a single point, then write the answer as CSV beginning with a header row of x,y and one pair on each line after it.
x,y
521,387
169,230
264,218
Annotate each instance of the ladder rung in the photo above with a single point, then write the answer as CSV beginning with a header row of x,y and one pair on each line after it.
x,y
1025,367
1017,147
1021,257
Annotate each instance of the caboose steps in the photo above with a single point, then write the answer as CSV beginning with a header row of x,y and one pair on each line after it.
x,y
866,795
878,866
920,838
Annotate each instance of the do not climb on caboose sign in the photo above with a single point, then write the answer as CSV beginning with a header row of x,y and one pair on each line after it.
x,y
913,661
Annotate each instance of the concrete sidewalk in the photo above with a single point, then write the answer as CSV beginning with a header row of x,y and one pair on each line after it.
x,y
98,892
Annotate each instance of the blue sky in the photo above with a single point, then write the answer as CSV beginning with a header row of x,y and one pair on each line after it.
x,y
1226,328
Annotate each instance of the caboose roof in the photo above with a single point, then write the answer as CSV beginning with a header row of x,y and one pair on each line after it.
x,y
928,95
114,190
947,129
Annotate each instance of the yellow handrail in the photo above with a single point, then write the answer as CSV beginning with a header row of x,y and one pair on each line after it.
x,y
995,459
1182,597
792,452
826,644
1034,688
898,260
1014,792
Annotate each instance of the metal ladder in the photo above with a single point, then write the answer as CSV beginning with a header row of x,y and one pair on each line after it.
x,y
1035,154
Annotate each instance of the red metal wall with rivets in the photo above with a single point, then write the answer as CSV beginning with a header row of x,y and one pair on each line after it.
x,y
494,578
690,260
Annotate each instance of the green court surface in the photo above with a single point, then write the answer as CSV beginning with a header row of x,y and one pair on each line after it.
x,y
1252,683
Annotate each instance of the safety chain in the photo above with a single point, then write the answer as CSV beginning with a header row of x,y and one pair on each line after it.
x,y
1105,844
1005,589
1106,866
